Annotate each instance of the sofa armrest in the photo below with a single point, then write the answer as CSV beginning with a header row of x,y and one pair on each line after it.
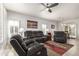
x,y
25,38
34,50
27,42
17,47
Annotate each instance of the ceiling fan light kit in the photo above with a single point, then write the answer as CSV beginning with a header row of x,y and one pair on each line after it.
x,y
49,10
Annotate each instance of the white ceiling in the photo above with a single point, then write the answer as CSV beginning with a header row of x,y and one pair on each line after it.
x,y
63,11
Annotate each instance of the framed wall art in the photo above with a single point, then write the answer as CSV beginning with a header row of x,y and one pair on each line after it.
x,y
32,24
52,26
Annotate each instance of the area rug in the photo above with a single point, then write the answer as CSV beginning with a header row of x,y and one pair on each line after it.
x,y
58,48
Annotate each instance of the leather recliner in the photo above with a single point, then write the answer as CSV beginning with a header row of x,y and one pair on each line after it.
x,y
27,47
60,36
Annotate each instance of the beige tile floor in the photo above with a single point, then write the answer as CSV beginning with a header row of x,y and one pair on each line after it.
x,y
74,51
7,49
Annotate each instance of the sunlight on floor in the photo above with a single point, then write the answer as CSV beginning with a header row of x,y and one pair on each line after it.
x,y
7,50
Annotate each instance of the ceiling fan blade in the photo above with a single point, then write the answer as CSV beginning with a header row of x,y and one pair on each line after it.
x,y
44,5
53,5
49,6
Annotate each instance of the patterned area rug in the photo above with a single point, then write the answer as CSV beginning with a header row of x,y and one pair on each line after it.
x,y
54,48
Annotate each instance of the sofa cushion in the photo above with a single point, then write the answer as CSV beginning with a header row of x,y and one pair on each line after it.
x,y
35,49
60,36
39,34
27,42
59,33
28,34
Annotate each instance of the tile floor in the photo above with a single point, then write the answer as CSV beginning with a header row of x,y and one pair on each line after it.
x,y
7,49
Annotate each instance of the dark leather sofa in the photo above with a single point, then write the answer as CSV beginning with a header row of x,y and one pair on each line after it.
x,y
60,36
36,35
27,47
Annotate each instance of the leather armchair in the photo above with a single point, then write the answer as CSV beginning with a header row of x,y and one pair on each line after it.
x,y
60,36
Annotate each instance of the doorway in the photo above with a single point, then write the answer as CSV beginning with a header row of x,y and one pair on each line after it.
x,y
70,29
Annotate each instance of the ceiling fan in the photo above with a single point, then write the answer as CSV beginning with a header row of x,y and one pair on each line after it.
x,y
49,6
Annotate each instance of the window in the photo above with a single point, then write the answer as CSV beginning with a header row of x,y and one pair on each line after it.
x,y
44,28
13,27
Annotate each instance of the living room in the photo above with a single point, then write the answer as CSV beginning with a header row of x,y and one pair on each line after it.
x,y
21,17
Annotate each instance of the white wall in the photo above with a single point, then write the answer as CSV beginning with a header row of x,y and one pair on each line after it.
x,y
3,24
73,21
23,21
5,29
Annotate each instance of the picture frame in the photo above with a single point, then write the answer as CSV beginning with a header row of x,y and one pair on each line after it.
x,y
32,24
52,26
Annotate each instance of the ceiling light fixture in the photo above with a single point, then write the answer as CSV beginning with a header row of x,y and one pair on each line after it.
x,y
49,6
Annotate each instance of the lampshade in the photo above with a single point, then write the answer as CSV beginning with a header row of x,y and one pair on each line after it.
x,y
21,29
